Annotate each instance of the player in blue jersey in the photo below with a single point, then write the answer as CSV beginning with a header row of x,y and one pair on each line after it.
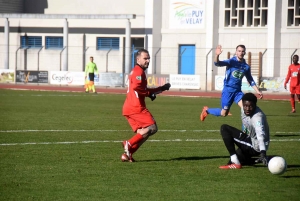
x,y
236,69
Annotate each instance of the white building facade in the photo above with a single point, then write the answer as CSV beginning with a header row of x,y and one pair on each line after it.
x,y
180,35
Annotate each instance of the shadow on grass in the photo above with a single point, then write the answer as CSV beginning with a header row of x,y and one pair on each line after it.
x,y
189,158
293,166
292,135
194,158
291,177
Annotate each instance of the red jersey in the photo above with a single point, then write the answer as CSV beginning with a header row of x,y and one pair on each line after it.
x,y
294,74
137,91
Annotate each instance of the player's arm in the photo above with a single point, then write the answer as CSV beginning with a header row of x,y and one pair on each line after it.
x,y
288,76
96,70
253,83
217,61
257,123
160,89
217,53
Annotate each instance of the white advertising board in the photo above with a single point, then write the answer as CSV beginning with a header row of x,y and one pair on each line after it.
x,y
185,81
66,78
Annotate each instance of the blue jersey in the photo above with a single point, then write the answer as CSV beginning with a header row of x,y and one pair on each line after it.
x,y
235,71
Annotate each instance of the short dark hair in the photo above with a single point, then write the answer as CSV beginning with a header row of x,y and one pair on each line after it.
x,y
296,55
242,46
139,52
250,97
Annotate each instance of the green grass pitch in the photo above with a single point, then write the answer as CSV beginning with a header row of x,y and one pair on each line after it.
x,y
67,146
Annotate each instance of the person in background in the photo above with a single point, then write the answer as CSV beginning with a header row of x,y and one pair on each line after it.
x,y
134,109
90,70
293,76
236,69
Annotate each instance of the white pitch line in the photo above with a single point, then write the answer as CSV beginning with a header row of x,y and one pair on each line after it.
x,y
113,141
25,131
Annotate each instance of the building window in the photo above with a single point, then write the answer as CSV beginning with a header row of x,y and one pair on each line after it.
x,y
246,13
31,41
293,13
108,43
54,42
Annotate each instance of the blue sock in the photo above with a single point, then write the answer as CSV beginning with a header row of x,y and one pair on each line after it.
x,y
214,111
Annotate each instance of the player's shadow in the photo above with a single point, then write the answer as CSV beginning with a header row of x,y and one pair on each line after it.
x,y
189,158
291,135
293,167
195,158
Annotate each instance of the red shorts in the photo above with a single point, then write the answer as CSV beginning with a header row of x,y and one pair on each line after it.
x,y
295,90
140,120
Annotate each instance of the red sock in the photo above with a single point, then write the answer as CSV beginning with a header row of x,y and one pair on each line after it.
x,y
135,139
292,103
134,148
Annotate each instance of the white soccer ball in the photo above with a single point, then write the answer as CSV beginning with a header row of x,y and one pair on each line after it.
x,y
277,165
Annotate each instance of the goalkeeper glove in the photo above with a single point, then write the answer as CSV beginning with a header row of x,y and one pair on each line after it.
x,y
263,158
166,87
152,97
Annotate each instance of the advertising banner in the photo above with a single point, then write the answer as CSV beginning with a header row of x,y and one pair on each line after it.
x,y
187,14
273,84
109,79
157,80
153,80
7,76
219,82
67,78
28,76
185,81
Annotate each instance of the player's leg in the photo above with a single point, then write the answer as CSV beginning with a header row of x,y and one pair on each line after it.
x,y
232,136
92,86
292,98
298,93
238,99
226,102
144,126
86,84
91,82
239,102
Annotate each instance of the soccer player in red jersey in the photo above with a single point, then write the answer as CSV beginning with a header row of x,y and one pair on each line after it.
x,y
294,75
134,108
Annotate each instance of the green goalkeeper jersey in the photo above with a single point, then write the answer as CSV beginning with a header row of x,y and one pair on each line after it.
x,y
91,67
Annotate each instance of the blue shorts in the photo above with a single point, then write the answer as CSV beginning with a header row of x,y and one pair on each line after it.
x,y
228,98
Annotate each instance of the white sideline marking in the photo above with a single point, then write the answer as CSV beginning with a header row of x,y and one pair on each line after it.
x,y
24,131
112,141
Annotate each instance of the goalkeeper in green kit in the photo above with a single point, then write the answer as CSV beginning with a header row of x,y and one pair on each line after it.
x,y
90,70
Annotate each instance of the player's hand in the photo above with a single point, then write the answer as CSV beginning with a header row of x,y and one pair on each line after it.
x,y
260,95
166,87
284,86
152,97
218,50
263,158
